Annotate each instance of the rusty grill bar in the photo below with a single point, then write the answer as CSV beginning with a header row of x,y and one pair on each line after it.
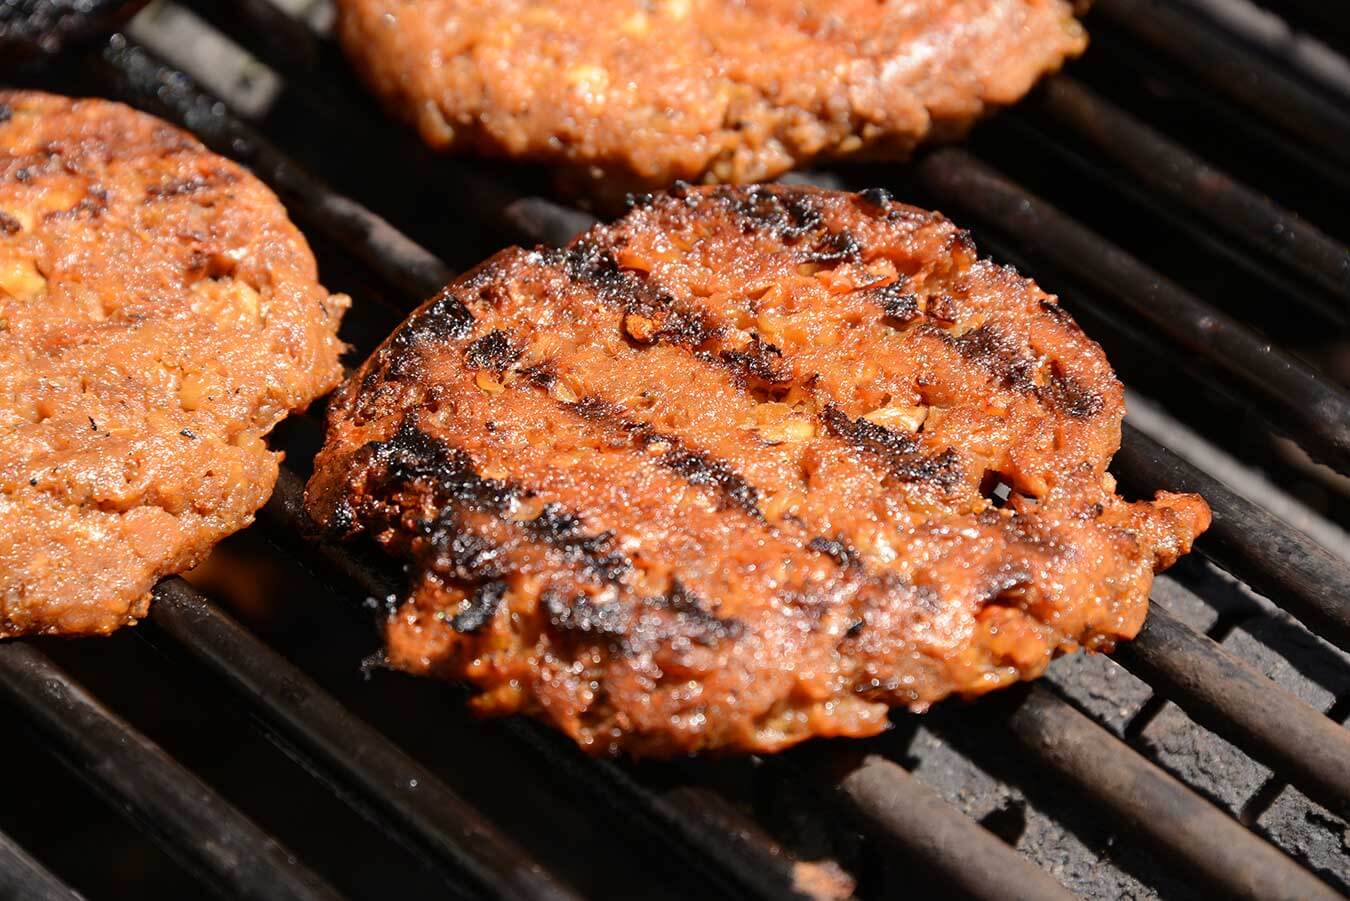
x,y
235,857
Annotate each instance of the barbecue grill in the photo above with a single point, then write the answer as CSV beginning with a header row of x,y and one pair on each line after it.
x,y
1153,186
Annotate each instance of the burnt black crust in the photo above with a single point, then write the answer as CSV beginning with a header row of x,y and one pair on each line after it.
x,y
5,113
587,262
494,351
412,459
580,615
694,619
996,353
179,187
901,453
786,216
1066,394
695,467
900,305
9,225
758,360
480,608
446,318
838,550
677,615
876,197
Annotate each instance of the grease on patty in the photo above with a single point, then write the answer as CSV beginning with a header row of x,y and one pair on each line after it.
x,y
746,467
158,315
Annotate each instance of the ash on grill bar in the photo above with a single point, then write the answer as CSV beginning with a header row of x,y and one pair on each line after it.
x,y
1184,188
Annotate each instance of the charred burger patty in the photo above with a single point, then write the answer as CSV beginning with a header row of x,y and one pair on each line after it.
x,y
746,467
158,315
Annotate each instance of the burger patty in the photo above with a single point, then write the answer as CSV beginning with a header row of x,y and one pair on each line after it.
x,y
633,94
158,315
744,468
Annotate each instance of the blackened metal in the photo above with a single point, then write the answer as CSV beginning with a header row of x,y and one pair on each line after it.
x,y
1169,169
820,881
1326,20
23,877
199,828
395,792
1284,42
33,28
1233,70
1235,701
545,221
1291,395
312,66
1183,825
267,31
734,866
968,857
1258,547
136,77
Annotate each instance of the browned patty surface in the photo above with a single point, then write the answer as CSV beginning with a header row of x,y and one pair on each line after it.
x,y
158,315
727,474
633,94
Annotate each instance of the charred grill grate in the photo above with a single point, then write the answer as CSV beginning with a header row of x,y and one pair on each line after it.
x,y
1294,288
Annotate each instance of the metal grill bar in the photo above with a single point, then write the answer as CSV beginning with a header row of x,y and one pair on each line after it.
x,y
393,790
22,877
210,837
1172,171
1235,701
1233,70
1290,394
1181,823
1328,19
1259,548
971,859
1302,52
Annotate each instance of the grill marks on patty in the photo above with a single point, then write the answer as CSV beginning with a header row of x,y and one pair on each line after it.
x,y
688,483
688,334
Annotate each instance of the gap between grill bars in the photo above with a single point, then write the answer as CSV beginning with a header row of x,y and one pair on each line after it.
x,y
23,877
1038,718
212,839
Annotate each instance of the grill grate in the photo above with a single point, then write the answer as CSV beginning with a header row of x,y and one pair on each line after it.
x,y
235,857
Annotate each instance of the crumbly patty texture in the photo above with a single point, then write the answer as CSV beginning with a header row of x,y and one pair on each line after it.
x,y
744,468
634,94
158,315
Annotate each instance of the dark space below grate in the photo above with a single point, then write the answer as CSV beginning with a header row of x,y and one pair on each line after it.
x,y
1038,768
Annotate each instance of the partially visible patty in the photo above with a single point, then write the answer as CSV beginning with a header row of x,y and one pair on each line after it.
x,y
630,95
745,467
158,315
